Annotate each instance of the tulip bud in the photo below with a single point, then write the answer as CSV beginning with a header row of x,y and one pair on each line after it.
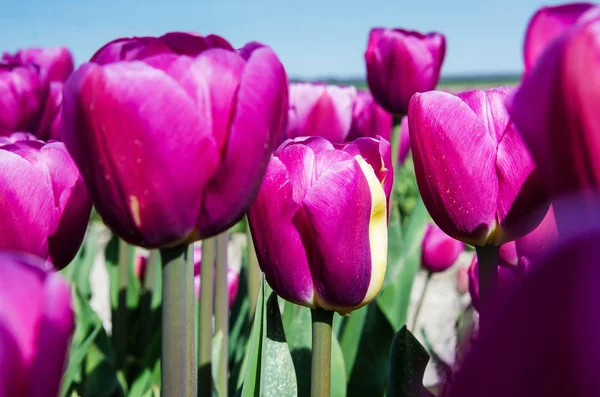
x,y
55,64
36,324
546,25
404,146
328,204
438,250
173,147
320,110
401,63
542,339
369,119
474,172
45,207
555,109
21,97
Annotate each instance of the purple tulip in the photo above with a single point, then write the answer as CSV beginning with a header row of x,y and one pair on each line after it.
x,y
546,25
542,340
438,250
320,110
555,109
21,97
45,207
36,323
369,119
55,64
401,63
516,258
319,222
404,146
173,147
474,172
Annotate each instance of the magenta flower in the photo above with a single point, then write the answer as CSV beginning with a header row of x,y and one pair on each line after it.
x,y
36,324
320,110
55,64
369,119
546,25
173,147
401,63
542,339
438,250
474,172
45,207
328,205
555,109
404,146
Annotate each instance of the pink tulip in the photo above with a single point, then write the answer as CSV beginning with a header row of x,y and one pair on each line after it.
x,y
55,64
474,171
369,119
556,110
546,25
438,250
401,63
36,324
320,110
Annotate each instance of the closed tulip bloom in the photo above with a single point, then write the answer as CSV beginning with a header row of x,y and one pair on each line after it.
x,y
36,324
56,63
319,222
401,63
21,97
369,119
555,110
45,207
473,169
542,340
547,24
172,147
320,110
438,250
404,146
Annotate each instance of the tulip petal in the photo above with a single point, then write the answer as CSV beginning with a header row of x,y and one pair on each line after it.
x,y
454,158
135,123
256,124
300,163
279,247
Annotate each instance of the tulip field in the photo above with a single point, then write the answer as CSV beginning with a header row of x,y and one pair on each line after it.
x,y
179,219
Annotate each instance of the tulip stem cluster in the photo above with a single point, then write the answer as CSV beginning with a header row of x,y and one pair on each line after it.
x,y
206,311
222,311
253,277
178,370
420,304
320,385
488,258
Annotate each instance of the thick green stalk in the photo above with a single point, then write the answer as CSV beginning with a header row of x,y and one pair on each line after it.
x,y
121,318
420,304
178,369
253,276
487,258
205,329
320,385
222,311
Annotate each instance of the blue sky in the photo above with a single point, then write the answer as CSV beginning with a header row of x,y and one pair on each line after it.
x,y
313,38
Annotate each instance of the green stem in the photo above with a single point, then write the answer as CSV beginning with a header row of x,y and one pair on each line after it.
x,y
120,322
321,353
420,304
253,276
205,329
487,258
148,291
222,311
178,371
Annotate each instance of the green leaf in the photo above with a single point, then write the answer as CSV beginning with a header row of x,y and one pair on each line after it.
x,y
370,371
408,360
269,370
299,336
349,336
394,298
338,372
217,347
